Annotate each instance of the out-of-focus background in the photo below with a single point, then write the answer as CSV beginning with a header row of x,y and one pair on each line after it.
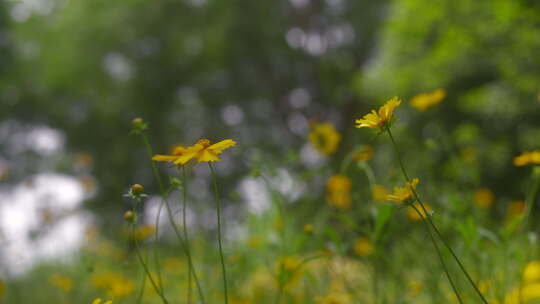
x,y
73,74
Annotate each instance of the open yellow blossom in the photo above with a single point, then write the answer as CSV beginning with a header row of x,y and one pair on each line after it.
x,y
527,158
531,273
203,150
403,194
324,138
424,101
339,191
414,216
484,198
378,119
363,246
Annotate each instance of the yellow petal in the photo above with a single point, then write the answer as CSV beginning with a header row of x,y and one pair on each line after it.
x,y
108,302
207,156
186,157
222,145
96,301
164,158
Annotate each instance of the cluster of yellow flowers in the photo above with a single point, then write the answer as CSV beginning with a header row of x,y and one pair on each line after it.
x,y
527,158
203,151
324,138
529,289
339,191
424,101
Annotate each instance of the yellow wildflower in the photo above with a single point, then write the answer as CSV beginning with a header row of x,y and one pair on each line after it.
x,y
378,119
324,138
414,216
62,282
98,301
116,285
515,209
527,158
203,150
403,194
364,153
531,273
363,246
530,292
415,288
339,191
379,193
308,228
424,101
484,198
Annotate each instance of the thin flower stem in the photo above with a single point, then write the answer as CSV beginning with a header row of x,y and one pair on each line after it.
x,y
218,202
437,232
171,219
423,217
530,198
145,267
141,292
184,224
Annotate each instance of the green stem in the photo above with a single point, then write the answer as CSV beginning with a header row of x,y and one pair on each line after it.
x,y
171,219
145,267
141,292
437,232
439,254
531,197
184,224
218,202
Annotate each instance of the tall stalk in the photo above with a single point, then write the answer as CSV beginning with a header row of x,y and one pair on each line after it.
x,y
218,203
430,222
184,226
171,219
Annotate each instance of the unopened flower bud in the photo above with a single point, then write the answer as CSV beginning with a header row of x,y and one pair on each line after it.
x,y
137,121
129,216
137,189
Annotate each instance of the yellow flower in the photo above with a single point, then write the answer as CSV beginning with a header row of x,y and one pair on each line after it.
x,y
531,273
364,153
515,209
379,193
98,301
62,282
415,288
378,119
308,228
203,150
424,101
403,194
324,138
414,216
363,246
339,191
527,158
484,198
116,285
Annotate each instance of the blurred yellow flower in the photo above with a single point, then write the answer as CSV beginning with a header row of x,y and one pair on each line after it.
x,y
403,194
203,150
363,246
515,209
62,282
364,153
324,138
484,198
141,233
308,228
531,273
116,285
339,191
414,216
379,119
379,193
335,297
98,301
527,158
424,101
530,292
415,288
